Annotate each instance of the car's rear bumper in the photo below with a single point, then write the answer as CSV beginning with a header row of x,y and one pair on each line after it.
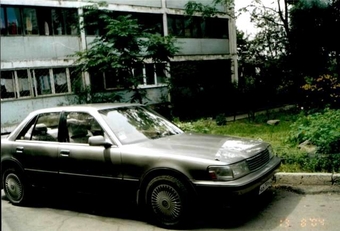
x,y
223,191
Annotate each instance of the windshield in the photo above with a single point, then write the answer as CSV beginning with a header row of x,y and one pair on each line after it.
x,y
136,124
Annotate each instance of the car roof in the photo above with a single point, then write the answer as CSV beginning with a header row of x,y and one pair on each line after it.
x,y
86,107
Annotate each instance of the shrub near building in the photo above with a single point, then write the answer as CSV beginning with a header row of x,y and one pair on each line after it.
x,y
321,92
321,129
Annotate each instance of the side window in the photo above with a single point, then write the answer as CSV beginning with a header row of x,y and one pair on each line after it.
x,y
42,128
81,126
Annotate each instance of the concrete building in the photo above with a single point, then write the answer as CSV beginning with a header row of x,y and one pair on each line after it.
x,y
38,37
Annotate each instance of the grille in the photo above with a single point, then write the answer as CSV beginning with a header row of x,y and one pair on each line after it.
x,y
258,161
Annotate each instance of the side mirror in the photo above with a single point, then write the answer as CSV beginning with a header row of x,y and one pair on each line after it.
x,y
99,141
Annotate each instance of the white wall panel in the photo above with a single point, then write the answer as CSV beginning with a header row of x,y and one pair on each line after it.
x,y
203,46
38,47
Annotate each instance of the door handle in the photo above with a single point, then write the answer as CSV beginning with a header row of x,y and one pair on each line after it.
x,y
65,153
20,150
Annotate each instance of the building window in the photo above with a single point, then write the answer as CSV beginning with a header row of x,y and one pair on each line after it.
x,y
97,81
44,21
196,27
38,21
24,83
155,74
153,23
60,80
30,83
14,24
76,80
176,25
150,74
210,25
2,21
112,81
63,22
42,81
30,21
150,22
161,73
7,84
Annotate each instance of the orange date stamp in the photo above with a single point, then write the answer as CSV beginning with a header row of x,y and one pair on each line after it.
x,y
303,223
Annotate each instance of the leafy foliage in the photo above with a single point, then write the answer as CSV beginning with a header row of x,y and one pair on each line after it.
x,y
321,92
294,39
321,129
221,119
315,42
87,95
193,7
120,46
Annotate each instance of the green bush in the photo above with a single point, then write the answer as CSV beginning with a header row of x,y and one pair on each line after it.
x,y
298,161
322,91
199,126
221,119
321,129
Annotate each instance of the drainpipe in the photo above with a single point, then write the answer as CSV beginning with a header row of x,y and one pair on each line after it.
x,y
86,75
166,33
233,49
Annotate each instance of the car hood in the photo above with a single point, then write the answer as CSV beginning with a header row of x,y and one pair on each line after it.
x,y
222,148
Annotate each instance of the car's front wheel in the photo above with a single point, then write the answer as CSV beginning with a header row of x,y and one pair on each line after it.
x,y
167,201
14,187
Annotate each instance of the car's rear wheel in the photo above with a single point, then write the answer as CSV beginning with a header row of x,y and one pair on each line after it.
x,y
15,189
167,201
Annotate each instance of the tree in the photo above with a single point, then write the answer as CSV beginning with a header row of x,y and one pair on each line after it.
x,y
193,7
121,46
315,40
296,39
264,59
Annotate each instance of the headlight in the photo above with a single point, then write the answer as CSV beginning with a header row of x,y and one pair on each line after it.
x,y
229,172
220,173
271,152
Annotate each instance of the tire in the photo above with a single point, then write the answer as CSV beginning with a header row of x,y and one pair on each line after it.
x,y
15,189
167,201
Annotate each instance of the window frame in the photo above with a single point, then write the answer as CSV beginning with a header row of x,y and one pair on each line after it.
x,y
12,79
32,125
145,83
32,82
182,26
42,23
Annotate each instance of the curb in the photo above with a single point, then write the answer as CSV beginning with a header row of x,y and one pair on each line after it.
x,y
308,178
308,183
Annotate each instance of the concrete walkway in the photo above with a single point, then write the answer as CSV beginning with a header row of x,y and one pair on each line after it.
x,y
261,112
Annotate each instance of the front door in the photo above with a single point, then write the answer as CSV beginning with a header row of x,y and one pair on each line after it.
x,y
83,167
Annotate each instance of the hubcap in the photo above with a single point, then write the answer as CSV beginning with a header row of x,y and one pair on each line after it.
x,y
13,187
166,202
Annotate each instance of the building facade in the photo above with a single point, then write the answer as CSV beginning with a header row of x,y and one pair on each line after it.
x,y
38,37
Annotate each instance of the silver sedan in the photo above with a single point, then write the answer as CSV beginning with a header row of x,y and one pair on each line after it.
x,y
127,149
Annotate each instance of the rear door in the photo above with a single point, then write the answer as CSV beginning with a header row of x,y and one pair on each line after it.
x,y
84,167
36,148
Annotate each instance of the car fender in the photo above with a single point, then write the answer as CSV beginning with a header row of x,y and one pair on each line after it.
x,y
158,171
8,162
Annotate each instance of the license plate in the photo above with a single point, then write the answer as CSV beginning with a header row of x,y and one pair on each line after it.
x,y
265,185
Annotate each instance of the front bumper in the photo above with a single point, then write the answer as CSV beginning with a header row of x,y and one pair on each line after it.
x,y
220,191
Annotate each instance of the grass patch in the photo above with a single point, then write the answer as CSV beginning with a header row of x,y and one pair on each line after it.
x,y
294,160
